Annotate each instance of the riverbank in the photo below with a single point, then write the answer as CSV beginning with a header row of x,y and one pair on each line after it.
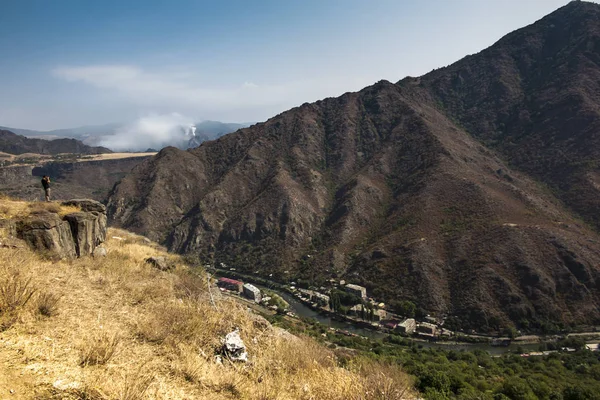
x,y
351,327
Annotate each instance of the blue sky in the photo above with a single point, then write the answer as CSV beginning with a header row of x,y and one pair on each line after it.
x,y
66,63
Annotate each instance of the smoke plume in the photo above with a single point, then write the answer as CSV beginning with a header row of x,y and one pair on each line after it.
x,y
152,132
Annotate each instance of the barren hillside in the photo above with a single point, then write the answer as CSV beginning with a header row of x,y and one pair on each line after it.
x,y
471,191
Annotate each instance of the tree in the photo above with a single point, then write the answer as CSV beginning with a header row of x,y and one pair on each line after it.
x,y
580,393
511,332
517,389
406,308
436,380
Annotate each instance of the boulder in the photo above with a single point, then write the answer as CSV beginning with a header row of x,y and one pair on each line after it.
x,y
234,347
47,232
88,231
99,252
159,263
87,205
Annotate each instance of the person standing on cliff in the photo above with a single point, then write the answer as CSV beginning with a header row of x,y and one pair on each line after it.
x,y
46,185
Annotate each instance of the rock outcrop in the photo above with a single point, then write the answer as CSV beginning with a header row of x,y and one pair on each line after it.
x,y
86,205
74,235
47,232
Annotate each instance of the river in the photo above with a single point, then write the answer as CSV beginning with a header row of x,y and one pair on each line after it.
x,y
302,310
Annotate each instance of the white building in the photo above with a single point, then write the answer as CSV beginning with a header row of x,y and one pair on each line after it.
x,y
252,292
407,326
356,290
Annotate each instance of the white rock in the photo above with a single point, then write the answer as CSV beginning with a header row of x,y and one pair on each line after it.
x,y
99,252
234,347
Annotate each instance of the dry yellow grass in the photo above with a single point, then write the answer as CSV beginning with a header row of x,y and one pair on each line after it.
x,y
10,208
123,330
115,156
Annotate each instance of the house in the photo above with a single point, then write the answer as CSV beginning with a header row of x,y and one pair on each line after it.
x,y
252,292
592,346
321,299
356,290
425,327
357,310
407,326
389,324
230,284
365,313
379,315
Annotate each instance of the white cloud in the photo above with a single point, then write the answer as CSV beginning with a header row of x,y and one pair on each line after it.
x,y
166,90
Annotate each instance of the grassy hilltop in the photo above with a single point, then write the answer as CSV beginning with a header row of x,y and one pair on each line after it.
x,y
115,328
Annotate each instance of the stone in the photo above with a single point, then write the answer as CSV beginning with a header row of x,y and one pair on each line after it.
x,y
47,232
88,205
234,347
159,263
99,252
12,243
89,230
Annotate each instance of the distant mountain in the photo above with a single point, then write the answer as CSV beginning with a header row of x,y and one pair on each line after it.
x,y
82,132
108,134
17,144
214,129
472,191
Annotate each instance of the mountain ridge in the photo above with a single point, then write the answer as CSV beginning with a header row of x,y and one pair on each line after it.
x,y
399,188
13,143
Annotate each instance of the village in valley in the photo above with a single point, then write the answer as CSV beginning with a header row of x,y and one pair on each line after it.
x,y
350,303
344,301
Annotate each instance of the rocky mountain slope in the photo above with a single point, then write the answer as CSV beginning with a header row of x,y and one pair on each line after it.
x,y
472,191
70,178
16,144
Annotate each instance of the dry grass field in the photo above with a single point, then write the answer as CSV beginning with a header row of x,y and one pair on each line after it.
x,y
114,156
10,209
115,328
44,158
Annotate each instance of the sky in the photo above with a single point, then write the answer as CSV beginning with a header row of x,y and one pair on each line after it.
x,y
68,63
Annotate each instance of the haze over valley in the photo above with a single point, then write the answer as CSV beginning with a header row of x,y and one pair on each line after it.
x,y
149,132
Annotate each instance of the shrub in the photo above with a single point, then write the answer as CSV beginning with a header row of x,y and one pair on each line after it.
x,y
189,284
136,386
100,349
384,381
47,304
15,291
